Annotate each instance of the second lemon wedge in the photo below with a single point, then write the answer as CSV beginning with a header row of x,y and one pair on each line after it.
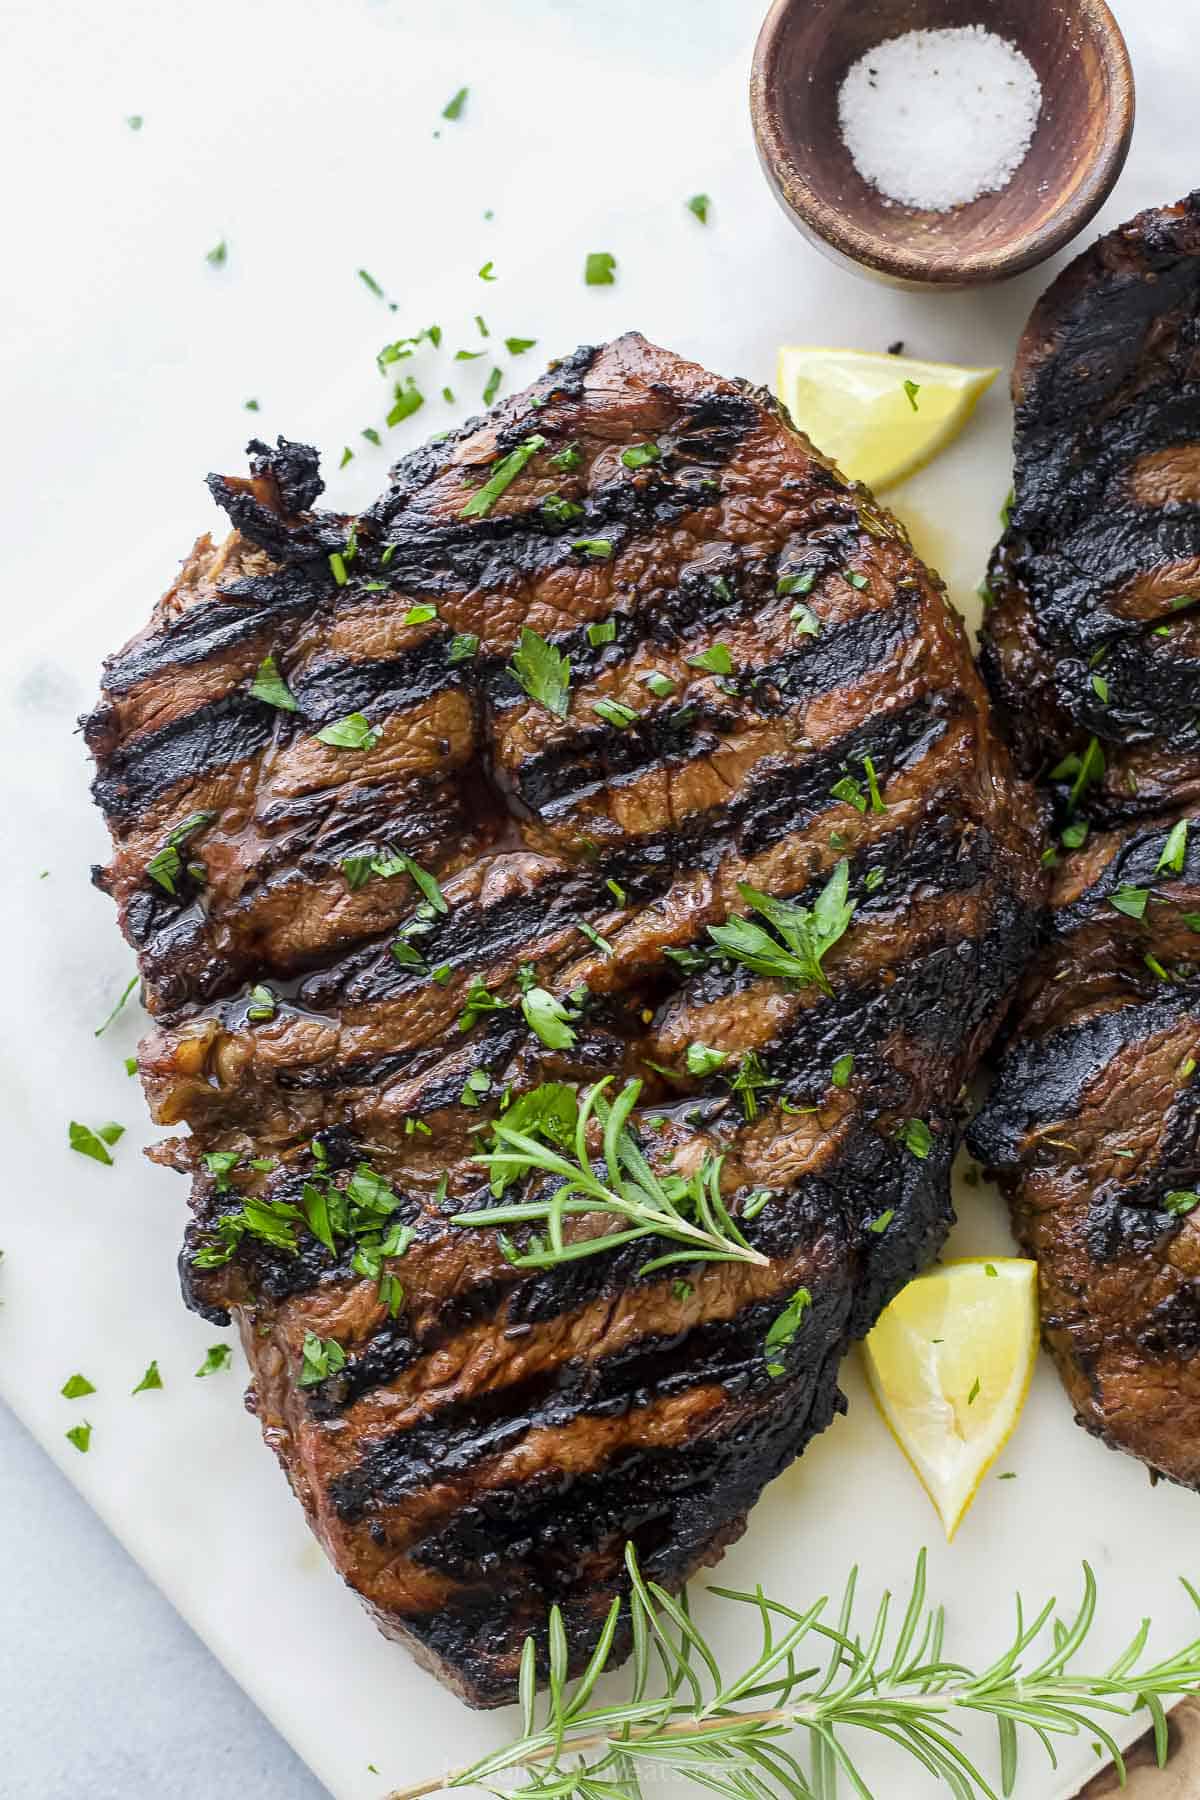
x,y
950,1362
879,417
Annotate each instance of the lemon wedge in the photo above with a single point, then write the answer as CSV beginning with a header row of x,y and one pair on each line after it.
x,y
950,1362
880,418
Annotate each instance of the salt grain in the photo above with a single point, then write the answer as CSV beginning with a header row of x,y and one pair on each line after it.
x,y
936,118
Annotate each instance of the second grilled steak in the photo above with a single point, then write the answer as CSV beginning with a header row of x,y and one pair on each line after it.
x,y
475,893
1093,651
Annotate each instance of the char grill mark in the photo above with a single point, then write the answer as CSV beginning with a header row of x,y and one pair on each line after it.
x,y
1095,633
490,1448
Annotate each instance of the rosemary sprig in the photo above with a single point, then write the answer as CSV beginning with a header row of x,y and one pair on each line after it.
x,y
728,1733
687,1210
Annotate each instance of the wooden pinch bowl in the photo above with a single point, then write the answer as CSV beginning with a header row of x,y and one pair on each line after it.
x,y
1079,146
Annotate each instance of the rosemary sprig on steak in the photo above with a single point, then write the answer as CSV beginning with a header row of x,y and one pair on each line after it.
x,y
730,1731
688,1210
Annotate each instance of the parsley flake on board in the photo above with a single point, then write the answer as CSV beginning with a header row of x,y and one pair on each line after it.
x,y
698,206
543,672
807,932
217,1356
269,685
599,270
492,386
453,108
517,346
81,1436
501,478
354,732
75,1387
407,399
150,1380
125,993
218,256
912,389
94,1143
488,272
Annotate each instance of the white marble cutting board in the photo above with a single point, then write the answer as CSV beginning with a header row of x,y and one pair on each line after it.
x,y
306,137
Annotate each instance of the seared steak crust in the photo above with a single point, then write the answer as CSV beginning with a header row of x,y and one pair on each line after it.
x,y
1093,654
488,1444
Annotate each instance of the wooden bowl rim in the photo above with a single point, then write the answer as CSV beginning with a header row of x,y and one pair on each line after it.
x,y
849,240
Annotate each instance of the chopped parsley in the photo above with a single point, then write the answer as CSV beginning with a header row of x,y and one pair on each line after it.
x,y
150,1380
492,385
916,1137
842,1070
593,937
217,1356
973,1396
488,272
354,732
477,1084
1074,835
517,346
218,256
370,283
566,459
347,456
135,121
803,583
600,269
337,567
660,685
807,933
269,685
560,511
716,660
501,478
407,399
543,672
75,1387
320,1357
1180,1201
701,1059
262,1003
614,712
94,1143
453,108
1100,689
1174,851
698,206
600,549
639,456
1083,771
616,890
605,632
912,389
463,648
81,1436
849,789
125,993
783,1329
882,1220
805,620
545,1015
1132,901
855,579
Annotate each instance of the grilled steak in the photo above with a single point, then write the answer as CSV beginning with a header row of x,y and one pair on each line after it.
x,y
1093,652
486,891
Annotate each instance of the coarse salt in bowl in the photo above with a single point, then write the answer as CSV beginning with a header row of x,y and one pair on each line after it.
x,y
934,119
941,142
